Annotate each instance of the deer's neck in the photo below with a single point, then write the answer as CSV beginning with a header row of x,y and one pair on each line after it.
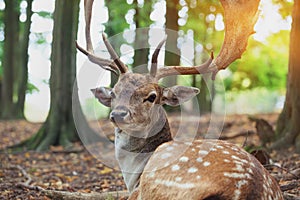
x,y
133,153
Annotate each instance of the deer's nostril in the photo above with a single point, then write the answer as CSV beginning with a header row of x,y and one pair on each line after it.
x,y
118,115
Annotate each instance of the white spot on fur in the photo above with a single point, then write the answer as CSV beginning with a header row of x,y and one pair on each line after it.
x,y
269,197
175,168
237,194
239,168
240,183
206,163
203,152
234,149
175,184
192,170
166,155
220,147
193,149
225,152
199,159
166,164
226,160
183,159
198,177
237,175
235,157
213,149
250,170
178,179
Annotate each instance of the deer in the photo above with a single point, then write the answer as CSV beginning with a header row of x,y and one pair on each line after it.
x,y
153,164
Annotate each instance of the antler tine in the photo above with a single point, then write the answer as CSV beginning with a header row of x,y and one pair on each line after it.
x,y
122,67
180,70
88,6
153,68
89,52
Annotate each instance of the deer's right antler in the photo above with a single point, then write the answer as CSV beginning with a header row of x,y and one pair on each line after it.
x,y
115,65
240,17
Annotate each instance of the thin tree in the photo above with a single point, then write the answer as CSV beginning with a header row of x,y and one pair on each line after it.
x,y
172,54
288,129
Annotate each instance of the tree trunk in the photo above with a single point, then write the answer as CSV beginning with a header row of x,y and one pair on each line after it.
x,y
11,19
141,47
288,129
59,128
22,78
172,54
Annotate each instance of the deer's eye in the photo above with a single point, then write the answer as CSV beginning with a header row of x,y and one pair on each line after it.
x,y
112,95
151,98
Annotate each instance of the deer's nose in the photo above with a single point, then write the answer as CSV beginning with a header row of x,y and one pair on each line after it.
x,y
119,114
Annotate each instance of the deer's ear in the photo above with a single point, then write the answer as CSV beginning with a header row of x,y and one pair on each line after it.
x,y
103,95
177,95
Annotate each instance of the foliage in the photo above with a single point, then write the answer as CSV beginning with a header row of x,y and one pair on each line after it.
x,y
285,7
262,65
31,88
45,14
117,11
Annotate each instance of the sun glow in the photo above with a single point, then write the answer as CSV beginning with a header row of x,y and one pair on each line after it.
x,y
270,21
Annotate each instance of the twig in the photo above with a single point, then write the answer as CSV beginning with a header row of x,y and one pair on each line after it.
x,y
85,196
29,179
286,170
289,186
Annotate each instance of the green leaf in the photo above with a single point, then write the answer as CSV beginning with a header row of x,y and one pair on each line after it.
x,y
31,88
45,14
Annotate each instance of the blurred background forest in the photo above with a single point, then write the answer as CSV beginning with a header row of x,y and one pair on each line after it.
x,y
37,52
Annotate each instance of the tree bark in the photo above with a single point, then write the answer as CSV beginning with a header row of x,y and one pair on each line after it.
x,y
11,19
141,47
59,128
172,54
288,129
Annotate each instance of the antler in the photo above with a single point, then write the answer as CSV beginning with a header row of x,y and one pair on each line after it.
x,y
176,70
240,18
115,65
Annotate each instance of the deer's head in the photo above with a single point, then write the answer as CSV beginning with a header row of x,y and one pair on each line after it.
x,y
136,99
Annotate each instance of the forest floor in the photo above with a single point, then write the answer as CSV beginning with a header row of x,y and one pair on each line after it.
x,y
25,175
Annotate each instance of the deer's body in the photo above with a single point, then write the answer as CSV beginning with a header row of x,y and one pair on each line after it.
x,y
153,165
207,169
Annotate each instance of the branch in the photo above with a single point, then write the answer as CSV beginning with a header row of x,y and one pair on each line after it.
x,y
54,194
